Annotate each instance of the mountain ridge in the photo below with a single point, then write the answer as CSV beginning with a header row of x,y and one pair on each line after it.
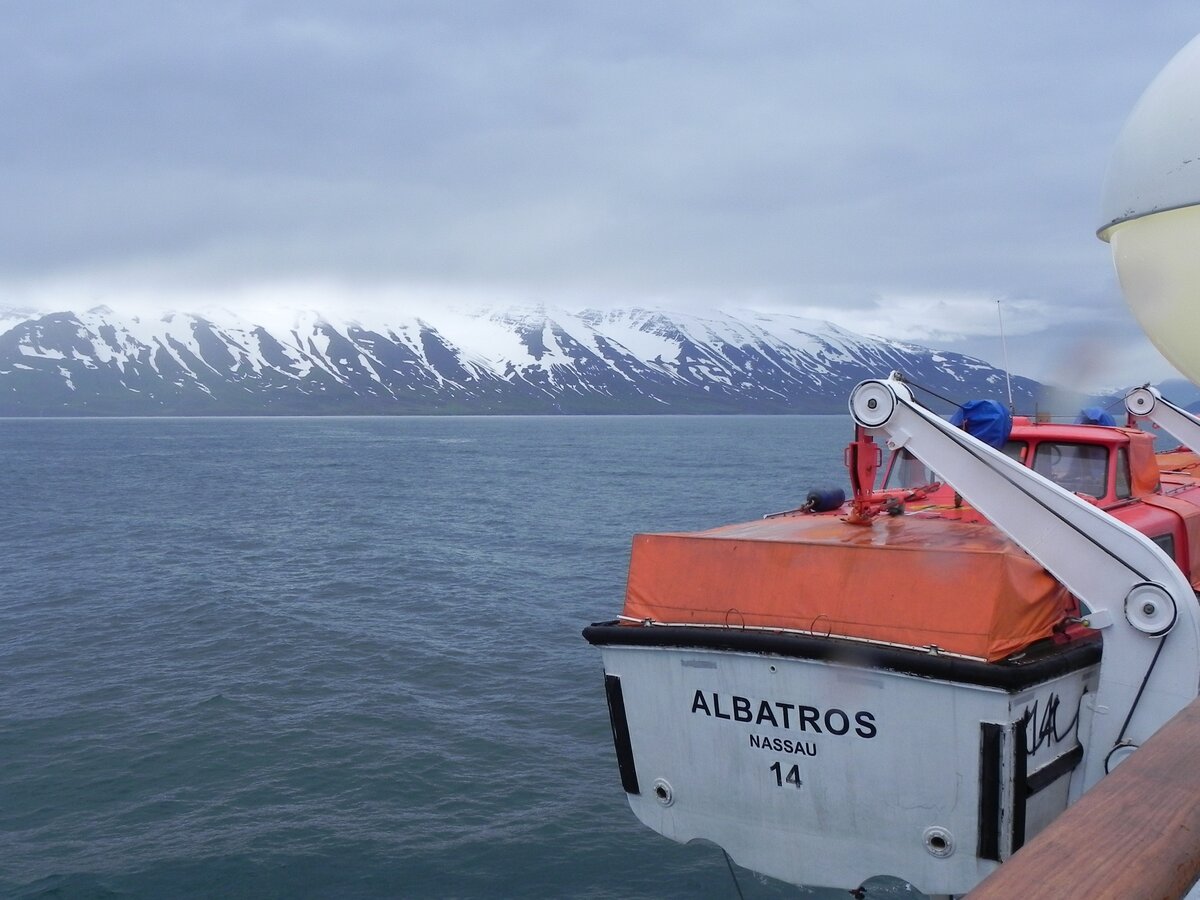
x,y
513,360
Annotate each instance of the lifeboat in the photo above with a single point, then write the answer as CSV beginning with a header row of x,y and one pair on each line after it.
x,y
915,682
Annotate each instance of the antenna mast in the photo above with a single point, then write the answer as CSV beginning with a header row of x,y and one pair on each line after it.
x,y
1007,373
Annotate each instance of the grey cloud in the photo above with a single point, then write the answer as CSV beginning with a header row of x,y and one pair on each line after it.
x,y
785,152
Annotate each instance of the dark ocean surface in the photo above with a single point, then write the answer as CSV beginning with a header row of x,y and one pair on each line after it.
x,y
342,657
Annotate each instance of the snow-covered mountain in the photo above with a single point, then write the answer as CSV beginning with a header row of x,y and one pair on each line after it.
x,y
492,361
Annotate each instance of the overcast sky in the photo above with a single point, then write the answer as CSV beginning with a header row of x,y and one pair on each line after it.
x,y
894,167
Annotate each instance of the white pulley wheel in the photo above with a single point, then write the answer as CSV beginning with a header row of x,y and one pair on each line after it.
x,y
1150,609
872,404
1140,401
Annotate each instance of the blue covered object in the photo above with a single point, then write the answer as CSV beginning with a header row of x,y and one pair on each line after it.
x,y
1094,415
985,419
824,500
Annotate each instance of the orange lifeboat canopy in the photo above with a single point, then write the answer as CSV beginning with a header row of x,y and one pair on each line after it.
x,y
914,581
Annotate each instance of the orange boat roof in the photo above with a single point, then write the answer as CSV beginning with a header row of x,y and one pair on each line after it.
x,y
913,580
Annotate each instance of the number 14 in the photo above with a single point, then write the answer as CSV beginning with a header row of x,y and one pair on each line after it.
x,y
792,777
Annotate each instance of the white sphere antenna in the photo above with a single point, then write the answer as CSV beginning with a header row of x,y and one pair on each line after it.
x,y
1151,210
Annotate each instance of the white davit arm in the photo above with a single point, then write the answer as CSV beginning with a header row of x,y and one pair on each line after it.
x,y
1147,403
1132,592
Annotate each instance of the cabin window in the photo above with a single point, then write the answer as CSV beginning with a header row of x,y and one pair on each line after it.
x,y
905,472
1080,468
1015,450
1166,543
1123,486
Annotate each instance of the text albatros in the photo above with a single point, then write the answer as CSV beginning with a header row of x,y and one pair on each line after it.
x,y
785,715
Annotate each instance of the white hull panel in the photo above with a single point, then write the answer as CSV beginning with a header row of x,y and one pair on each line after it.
x,y
826,773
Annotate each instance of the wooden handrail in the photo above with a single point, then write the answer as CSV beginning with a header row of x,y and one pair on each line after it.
x,y
1136,834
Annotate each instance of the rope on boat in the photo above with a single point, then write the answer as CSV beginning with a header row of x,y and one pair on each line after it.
x,y
1120,401
1142,687
1117,402
737,887
904,378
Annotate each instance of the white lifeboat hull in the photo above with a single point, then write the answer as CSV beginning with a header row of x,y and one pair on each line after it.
x,y
825,763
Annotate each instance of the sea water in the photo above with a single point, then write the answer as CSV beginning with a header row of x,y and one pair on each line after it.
x,y
342,657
